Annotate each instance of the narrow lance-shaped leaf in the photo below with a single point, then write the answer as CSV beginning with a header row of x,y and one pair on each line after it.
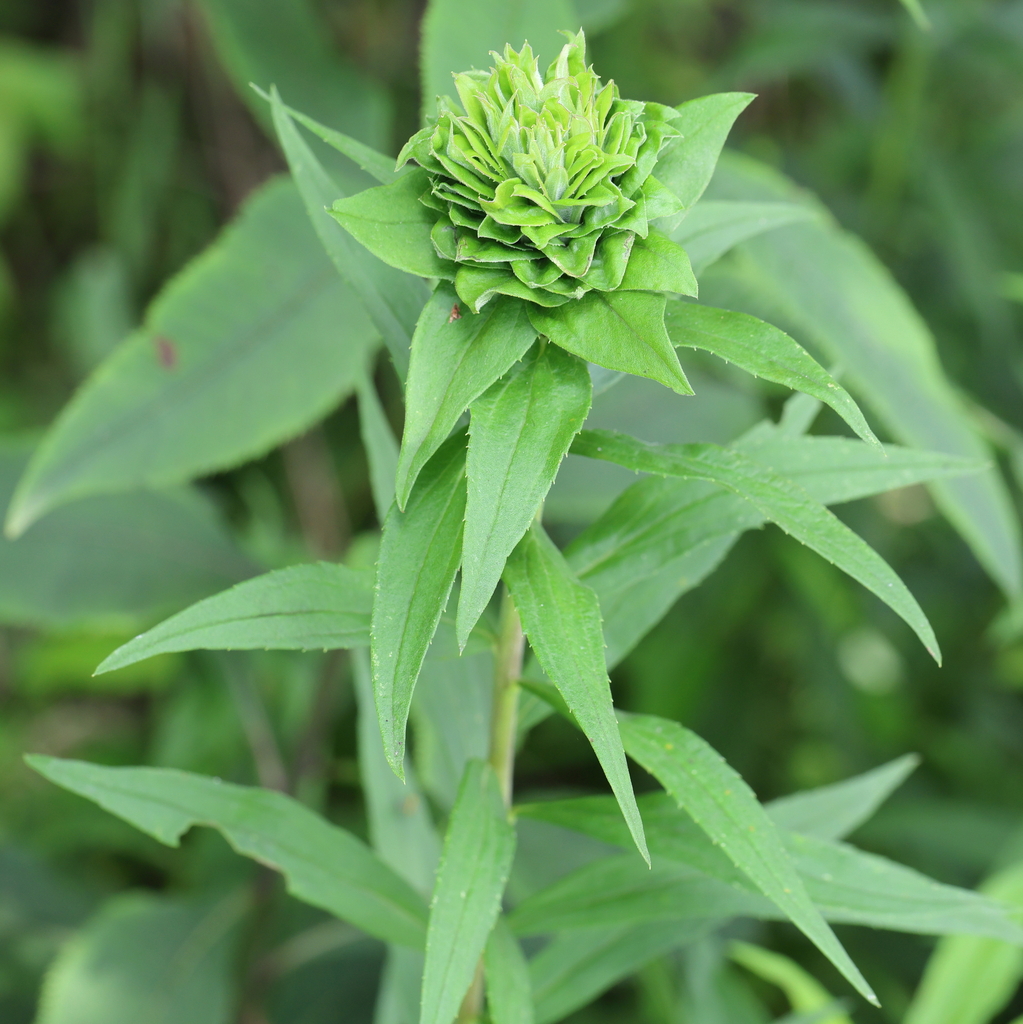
x,y
720,802
322,864
831,812
968,979
712,227
394,225
380,444
561,618
392,299
478,850
687,164
303,608
619,331
419,556
575,968
374,163
509,990
249,345
456,355
765,351
782,501
519,432
694,877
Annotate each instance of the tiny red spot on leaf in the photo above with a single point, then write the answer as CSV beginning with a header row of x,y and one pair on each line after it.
x,y
166,352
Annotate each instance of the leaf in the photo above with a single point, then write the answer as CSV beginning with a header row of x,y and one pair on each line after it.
x,y
322,864
392,299
250,344
509,990
457,37
380,444
782,501
394,225
663,536
400,827
918,14
520,430
832,812
302,608
478,850
721,803
145,957
657,264
712,227
456,355
287,44
803,991
575,968
763,350
968,979
419,556
617,330
134,557
561,618
374,163
845,884
621,890
831,293
686,165
451,713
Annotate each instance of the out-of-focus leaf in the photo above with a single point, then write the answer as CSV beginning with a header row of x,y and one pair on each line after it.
x,y
302,608
284,44
380,444
721,803
662,537
576,967
249,345
687,164
134,557
509,989
968,979
615,891
763,350
713,227
144,957
457,37
392,299
419,556
322,864
804,992
456,355
451,712
832,812
374,163
520,430
846,884
831,293
400,827
478,850
561,618
617,330
781,500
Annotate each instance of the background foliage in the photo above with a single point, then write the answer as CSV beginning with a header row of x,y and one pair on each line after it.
x,y
128,137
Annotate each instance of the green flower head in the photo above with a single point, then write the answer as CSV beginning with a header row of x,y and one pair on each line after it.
x,y
541,183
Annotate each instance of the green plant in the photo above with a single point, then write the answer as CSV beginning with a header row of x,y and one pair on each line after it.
x,y
464,505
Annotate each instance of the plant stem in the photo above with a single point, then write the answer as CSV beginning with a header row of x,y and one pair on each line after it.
x,y
503,733
504,710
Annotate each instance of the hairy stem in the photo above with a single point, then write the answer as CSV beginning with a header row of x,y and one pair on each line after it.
x,y
503,732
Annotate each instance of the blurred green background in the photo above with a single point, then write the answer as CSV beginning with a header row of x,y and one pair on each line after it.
x,y
128,136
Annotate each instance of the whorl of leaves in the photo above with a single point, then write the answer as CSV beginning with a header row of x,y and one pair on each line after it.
x,y
541,183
